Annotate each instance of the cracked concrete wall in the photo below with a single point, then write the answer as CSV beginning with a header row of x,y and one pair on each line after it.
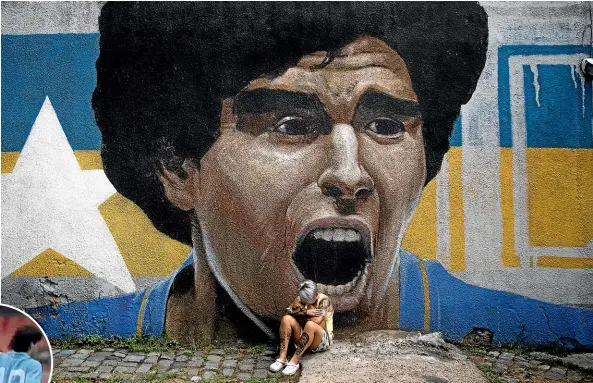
x,y
511,209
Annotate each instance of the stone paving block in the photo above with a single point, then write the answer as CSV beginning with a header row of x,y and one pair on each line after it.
x,y
110,362
128,364
106,375
506,355
144,367
157,354
124,369
78,369
243,376
55,351
229,363
71,362
214,358
108,349
263,363
178,365
195,378
78,356
232,356
217,351
574,376
90,363
582,361
246,366
173,370
83,351
57,360
196,361
211,366
151,359
544,367
181,358
98,356
119,354
228,371
105,368
535,362
494,353
67,352
168,356
209,375
555,373
193,371
164,363
134,358
260,373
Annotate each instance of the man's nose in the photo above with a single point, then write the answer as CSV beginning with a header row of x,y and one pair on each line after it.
x,y
345,179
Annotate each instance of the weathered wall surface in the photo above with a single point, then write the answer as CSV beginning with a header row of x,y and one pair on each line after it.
x,y
511,209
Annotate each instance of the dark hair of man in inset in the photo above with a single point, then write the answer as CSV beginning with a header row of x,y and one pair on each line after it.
x,y
164,69
24,338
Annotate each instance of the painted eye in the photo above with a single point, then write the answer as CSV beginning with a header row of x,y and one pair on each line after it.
x,y
386,126
294,126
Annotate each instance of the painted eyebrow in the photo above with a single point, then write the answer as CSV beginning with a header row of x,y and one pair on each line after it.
x,y
388,104
265,100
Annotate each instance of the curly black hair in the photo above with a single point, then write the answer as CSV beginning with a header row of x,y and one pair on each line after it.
x,y
164,69
24,338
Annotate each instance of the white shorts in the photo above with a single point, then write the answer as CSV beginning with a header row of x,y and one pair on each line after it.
x,y
326,342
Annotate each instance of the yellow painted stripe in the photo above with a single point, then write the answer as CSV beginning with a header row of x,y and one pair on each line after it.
x,y
560,196
509,254
146,251
565,262
141,314
9,160
87,159
456,210
50,263
421,235
426,296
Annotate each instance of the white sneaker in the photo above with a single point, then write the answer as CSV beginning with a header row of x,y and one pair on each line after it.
x,y
277,365
291,369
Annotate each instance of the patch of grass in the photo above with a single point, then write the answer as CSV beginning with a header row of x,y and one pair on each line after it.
x,y
517,349
151,377
479,351
115,379
259,349
134,344
175,375
491,375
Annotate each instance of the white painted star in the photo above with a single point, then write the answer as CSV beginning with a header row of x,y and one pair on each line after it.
x,y
49,202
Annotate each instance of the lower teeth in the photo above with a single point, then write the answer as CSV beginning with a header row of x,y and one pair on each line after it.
x,y
340,289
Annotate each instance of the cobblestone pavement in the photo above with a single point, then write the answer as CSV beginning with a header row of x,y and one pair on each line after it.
x,y
119,365
238,365
533,367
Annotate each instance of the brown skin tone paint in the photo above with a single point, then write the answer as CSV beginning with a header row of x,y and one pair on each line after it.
x,y
263,184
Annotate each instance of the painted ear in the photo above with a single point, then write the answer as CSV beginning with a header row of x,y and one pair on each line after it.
x,y
181,189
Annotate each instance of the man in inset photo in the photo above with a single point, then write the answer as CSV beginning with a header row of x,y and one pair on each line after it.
x,y
289,142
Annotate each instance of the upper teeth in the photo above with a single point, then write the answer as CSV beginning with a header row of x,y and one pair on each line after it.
x,y
337,235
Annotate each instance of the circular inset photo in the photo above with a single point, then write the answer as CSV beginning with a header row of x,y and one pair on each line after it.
x,y
25,352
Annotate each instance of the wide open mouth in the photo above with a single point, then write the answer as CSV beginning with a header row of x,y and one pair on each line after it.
x,y
335,258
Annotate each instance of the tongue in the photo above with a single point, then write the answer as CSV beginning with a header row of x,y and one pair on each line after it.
x,y
330,263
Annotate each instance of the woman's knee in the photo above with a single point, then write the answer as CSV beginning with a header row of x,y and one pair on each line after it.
x,y
312,327
287,320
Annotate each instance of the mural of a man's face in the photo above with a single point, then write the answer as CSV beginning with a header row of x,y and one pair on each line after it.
x,y
315,175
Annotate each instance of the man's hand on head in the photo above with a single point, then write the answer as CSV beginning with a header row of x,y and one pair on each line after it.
x,y
315,312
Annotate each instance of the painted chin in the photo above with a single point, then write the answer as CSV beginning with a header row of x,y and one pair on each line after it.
x,y
337,256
